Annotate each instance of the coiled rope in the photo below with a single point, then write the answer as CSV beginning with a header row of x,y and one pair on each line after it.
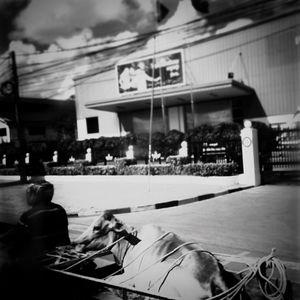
x,y
270,289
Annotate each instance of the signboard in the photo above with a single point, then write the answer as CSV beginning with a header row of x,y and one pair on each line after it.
x,y
139,75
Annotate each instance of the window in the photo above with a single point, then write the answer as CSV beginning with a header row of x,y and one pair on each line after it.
x,y
3,132
92,125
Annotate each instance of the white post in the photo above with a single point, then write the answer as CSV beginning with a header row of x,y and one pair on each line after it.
x,y
88,155
251,167
54,157
183,151
4,160
27,158
129,152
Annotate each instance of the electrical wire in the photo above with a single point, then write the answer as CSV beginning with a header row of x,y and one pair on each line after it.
x,y
65,65
249,8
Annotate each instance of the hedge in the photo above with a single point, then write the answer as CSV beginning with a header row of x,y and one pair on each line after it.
x,y
197,169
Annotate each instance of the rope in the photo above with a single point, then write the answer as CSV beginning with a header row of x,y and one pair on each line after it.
x,y
269,289
159,260
103,250
265,281
133,260
174,265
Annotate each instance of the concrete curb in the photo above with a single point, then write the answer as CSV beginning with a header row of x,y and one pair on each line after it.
x,y
123,210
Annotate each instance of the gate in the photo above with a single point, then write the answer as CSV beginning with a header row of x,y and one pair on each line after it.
x,y
285,156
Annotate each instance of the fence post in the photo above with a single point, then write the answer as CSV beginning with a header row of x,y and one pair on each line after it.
x,y
55,156
88,155
27,158
4,160
130,152
251,175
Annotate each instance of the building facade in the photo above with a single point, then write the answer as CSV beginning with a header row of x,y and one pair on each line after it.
x,y
251,72
42,120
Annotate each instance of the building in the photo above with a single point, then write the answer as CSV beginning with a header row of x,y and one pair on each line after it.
x,y
42,119
250,72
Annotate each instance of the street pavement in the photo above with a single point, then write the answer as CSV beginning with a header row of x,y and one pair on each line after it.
x,y
89,195
241,224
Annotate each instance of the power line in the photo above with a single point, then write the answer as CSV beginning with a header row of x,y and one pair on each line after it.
x,y
92,72
79,56
242,8
133,41
64,65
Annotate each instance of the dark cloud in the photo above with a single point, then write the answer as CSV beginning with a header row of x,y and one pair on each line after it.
x,y
9,10
42,22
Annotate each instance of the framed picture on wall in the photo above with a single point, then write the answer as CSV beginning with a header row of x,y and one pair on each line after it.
x,y
142,75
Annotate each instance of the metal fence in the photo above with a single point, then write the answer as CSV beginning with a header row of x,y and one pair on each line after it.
x,y
286,155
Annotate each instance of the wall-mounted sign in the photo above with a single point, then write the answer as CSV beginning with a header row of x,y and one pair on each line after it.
x,y
142,75
7,88
247,141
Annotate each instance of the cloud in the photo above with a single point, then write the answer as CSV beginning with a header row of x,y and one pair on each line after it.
x,y
9,9
45,21
70,24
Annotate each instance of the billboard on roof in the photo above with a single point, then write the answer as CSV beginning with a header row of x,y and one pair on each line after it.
x,y
141,75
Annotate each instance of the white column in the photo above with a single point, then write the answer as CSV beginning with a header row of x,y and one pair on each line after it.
x,y
251,175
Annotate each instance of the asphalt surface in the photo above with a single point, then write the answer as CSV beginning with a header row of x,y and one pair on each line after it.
x,y
239,223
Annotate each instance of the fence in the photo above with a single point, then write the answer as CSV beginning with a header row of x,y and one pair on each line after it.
x,y
286,155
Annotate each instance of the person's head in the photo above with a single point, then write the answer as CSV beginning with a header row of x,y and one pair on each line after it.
x,y
37,193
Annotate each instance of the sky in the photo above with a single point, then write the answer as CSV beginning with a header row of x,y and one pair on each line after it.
x,y
42,32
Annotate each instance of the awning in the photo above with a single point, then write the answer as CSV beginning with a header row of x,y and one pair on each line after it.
x,y
174,96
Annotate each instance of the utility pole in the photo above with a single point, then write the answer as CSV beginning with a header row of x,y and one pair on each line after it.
x,y
18,119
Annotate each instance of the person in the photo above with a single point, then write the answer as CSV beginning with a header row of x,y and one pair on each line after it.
x,y
46,222
141,77
41,228
126,79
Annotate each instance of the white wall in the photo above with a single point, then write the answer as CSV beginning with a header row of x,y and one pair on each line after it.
x,y
108,125
5,139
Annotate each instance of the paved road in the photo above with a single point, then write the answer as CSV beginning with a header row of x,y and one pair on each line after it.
x,y
250,220
242,226
87,194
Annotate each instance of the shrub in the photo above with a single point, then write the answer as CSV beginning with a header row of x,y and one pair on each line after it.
x,y
9,171
177,160
199,169
100,170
